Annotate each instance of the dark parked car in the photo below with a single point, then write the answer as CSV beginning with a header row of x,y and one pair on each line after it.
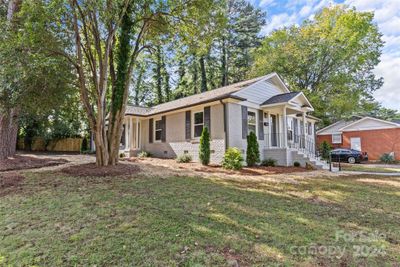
x,y
348,155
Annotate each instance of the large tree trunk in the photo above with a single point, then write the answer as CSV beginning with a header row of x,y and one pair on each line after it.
x,y
158,75
9,116
224,64
8,133
203,75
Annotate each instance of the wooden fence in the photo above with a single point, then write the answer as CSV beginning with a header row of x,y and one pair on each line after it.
x,y
59,145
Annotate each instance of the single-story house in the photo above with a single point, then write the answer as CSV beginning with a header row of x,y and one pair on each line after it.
x,y
367,134
264,105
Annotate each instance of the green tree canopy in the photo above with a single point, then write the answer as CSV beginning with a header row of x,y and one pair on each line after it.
x,y
330,58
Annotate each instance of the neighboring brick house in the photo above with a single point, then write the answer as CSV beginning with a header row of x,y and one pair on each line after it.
x,y
366,134
264,105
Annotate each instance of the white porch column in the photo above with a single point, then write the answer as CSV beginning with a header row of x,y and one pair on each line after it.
x,y
131,141
269,133
284,136
304,130
126,134
137,134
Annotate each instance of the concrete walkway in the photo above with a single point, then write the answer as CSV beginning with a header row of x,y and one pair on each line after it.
x,y
73,159
371,173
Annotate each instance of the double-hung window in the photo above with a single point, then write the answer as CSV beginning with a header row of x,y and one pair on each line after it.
x,y
251,122
336,138
198,123
158,130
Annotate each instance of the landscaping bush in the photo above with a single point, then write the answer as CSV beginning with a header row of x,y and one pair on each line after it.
x,y
232,159
270,162
296,164
144,154
185,158
122,155
387,158
309,166
204,150
253,152
325,149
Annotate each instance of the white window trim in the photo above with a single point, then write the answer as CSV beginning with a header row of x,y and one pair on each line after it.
x,y
193,124
256,118
336,141
154,130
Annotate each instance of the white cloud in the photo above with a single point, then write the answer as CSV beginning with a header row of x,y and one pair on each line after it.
x,y
389,94
297,11
265,3
279,21
387,16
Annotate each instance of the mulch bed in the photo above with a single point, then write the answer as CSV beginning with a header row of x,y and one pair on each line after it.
x,y
91,170
26,162
258,170
214,168
10,182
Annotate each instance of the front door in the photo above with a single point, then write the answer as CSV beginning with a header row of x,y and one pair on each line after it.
x,y
274,130
355,143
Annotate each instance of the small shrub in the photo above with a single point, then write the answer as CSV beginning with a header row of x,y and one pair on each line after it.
x,y
296,164
309,166
270,162
253,152
185,158
204,149
122,155
144,154
387,158
325,149
233,159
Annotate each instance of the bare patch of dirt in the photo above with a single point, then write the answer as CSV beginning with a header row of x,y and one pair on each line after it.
x,y
27,162
91,170
10,182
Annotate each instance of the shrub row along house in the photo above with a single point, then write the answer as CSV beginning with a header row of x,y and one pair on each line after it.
x,y
264,105
367,134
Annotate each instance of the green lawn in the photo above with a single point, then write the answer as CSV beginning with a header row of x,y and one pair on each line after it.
x,y
366,168
190,221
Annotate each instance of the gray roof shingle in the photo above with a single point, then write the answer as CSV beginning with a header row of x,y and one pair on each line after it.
x,y
137,110
209,96
281,98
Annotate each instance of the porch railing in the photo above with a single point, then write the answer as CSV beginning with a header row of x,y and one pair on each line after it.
x,y
304,143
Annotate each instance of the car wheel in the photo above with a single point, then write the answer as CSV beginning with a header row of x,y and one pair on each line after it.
x,y
351,160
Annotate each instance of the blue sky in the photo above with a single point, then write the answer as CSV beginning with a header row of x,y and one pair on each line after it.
x,y
387,17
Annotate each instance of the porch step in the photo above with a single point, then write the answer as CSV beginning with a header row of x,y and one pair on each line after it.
x,y
303,158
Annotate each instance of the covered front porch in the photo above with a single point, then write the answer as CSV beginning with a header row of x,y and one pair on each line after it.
x,y
287,125
130,140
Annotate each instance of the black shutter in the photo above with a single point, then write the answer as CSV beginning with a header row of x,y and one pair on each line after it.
x,y
164,129
260,125
188,128
207,118
151,131
244,122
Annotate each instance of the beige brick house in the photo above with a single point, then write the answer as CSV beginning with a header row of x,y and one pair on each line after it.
x,y
280,119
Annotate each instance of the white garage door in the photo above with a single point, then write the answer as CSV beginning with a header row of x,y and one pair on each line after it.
x,y
355,143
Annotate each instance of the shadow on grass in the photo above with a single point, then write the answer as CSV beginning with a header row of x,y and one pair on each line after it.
x,y
187,220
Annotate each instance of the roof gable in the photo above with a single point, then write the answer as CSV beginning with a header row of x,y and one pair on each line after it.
x,y
334,128
369,123
267,87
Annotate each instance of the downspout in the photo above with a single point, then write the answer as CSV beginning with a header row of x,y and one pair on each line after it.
x,y
225,124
